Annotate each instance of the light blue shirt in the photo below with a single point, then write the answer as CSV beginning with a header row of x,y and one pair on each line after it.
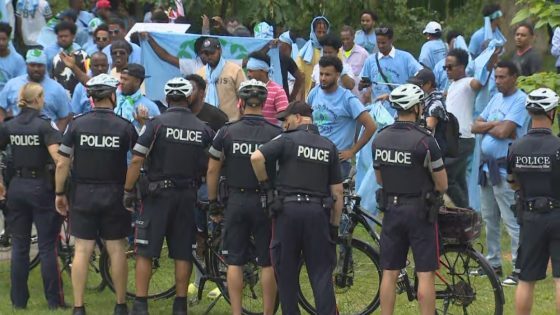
x,y
57,102
53,50
477,39
11,66
432,52
442,81
90,47
502,108
80,101
153,109
83,20
398,66
335,114
135,55
368,41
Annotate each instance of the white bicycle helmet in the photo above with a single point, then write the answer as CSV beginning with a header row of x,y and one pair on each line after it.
x,y
253,88
406,96
541,100
178,86
101,86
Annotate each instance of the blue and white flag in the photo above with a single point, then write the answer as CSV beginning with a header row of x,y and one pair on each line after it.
x,y
182,46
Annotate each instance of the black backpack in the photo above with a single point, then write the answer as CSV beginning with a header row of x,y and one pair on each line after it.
x,y
452,135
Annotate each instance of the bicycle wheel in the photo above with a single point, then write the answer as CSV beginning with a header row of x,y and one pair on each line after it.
x,y
162,281
252,295
459,292
357,289
65,251
6,253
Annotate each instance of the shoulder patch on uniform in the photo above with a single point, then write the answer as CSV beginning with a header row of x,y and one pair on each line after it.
x,y
276,138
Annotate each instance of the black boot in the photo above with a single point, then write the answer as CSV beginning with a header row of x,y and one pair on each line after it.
x,y
139,308
79,310
180,306
120,309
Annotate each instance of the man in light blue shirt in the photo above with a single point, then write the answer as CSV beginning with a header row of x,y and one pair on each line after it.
x,y
80,101
57,103
365,37
117,30
336,111
503,120
396,67
131,104
11,63
494,14
65,33
435,49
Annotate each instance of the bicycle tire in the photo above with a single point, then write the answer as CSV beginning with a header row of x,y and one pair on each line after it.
x,y
460,292
34,249
162,281
349,303
252,303
95,281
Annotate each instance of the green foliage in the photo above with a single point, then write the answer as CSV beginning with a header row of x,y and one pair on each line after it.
x,y
466,19
549,80
543,11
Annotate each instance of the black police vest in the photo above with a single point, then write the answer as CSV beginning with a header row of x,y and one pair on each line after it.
x,y
27,133
535,160
101,141
179,149
242,139
306,164
401,156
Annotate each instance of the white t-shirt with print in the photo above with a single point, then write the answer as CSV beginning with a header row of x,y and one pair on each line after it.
x,y
33,22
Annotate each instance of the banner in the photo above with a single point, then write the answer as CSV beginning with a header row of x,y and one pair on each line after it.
x,y
182,46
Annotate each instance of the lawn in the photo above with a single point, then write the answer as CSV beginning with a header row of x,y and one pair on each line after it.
x,y
103,302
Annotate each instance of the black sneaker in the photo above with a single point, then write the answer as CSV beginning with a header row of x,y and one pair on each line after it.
x,y
180,306
139,308
480,272
512,280
120,309
79,310
4,240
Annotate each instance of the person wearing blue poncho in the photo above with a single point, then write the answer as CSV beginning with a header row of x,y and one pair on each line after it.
x,y
310,53
11,63
366,36
490,30
503,120
435,48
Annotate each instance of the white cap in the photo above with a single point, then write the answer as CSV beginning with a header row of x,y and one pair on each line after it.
x,y
432,28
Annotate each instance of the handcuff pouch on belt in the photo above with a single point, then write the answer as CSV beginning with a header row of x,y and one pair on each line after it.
x,y
518,207
541,204
381,198
156,187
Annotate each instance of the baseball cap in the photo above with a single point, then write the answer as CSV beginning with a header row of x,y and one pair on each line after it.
x,y
422,77
296,107
103,4
36,56
210,45
135,70
432,28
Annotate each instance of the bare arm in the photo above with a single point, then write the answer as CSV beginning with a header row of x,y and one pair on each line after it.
x,y
336,210
62,170
513,183
53,151
63,122
133,172
162,53
298,84
365,120
503,130
482,126
70,62
258,162
212,178
440,180
432,123
378,177
347,82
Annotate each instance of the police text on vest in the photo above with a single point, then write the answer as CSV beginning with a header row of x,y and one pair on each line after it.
x,y
99,141
184,135
313,153
245,148
393,156
24,140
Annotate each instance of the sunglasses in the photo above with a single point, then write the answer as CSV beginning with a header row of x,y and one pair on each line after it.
x,y
118,53
101,39
114,31
449,67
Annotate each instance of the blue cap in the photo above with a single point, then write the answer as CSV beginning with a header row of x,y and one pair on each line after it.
x,y
36,56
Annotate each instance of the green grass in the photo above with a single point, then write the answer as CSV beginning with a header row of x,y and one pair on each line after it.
x,y
103,302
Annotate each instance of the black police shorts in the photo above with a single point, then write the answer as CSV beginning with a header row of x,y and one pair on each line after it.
x,y
245,219
540,240
96,210
405,225
168,215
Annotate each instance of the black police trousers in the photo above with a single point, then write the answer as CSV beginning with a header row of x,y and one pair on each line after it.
x,y
304,227
29,201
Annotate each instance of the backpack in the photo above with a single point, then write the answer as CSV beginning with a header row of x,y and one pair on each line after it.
x,y
452,135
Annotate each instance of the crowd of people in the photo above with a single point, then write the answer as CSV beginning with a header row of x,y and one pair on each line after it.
x,y
73,94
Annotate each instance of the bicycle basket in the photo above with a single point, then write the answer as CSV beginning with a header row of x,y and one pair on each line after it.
x,y
459,225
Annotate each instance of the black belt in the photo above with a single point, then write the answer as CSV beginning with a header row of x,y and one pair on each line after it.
x,y
542,204
245,190
399,199
30,173
303,198
174,183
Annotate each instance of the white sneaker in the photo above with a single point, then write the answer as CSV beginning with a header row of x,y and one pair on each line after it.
x,y
214,294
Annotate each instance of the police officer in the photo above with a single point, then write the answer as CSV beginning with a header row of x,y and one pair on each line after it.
x,y
245,216
34,141
175,145
96,144
534,171
306,221
409,166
